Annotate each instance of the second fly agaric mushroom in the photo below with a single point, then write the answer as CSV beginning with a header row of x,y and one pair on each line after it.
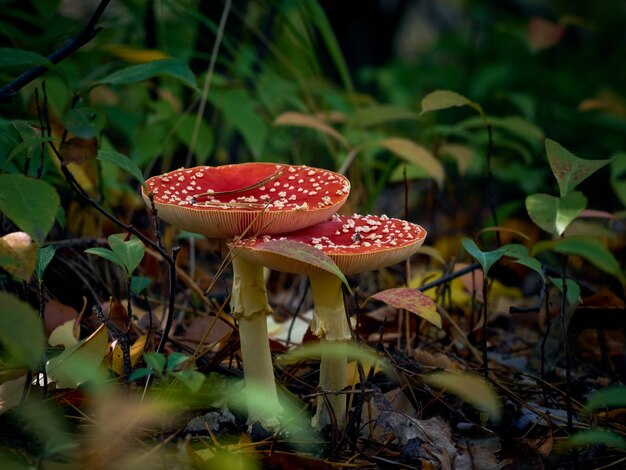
x,y
248,199
356,244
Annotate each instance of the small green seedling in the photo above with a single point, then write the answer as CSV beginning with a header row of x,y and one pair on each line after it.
x,y
166,369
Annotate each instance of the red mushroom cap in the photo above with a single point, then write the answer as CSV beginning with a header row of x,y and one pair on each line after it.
x,y
251,198
355,243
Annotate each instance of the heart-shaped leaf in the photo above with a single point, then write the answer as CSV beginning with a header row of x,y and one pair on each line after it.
x,y
554,214
568,169
411,300
470,388
31,204
106,254
485,258
304,253
126,254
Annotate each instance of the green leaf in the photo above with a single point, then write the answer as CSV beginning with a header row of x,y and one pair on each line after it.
x,y
590,249
192,379
573,289
305,254
554,214
123,162
485,258
155,361
31,204
381,114
44,256
337,350
204,141
292,118
239,109
411,300
27,145
106,254
522,256
319,19
531,263
139,283
130,252
10,56
139,373
611,397
470,388
174,360
84,122
444,99
618,177
415,154
21,331
168,68
595,436
80,363
568,169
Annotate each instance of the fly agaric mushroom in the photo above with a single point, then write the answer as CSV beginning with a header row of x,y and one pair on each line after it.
x,y
248,199
356,244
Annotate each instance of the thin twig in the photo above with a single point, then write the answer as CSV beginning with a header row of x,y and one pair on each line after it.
x,y
9,91
450,277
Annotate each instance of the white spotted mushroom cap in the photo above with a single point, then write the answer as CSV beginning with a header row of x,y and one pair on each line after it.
x,y
248,198
356,244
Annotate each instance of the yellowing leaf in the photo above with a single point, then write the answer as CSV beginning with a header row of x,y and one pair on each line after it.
x,y
444,99
135,55
462,154
470,388
303,253
20,253
412,300
292,118
64,335
136,351
415,154
79,363
458,293
11,393
352,371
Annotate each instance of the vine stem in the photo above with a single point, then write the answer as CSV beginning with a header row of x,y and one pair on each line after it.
x,y
492,193
568,372
485,362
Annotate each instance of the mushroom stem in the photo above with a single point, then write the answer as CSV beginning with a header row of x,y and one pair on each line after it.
x,y
249,305
331,326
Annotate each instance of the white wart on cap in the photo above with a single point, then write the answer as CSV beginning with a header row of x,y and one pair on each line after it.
x,y
253,198
356,243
